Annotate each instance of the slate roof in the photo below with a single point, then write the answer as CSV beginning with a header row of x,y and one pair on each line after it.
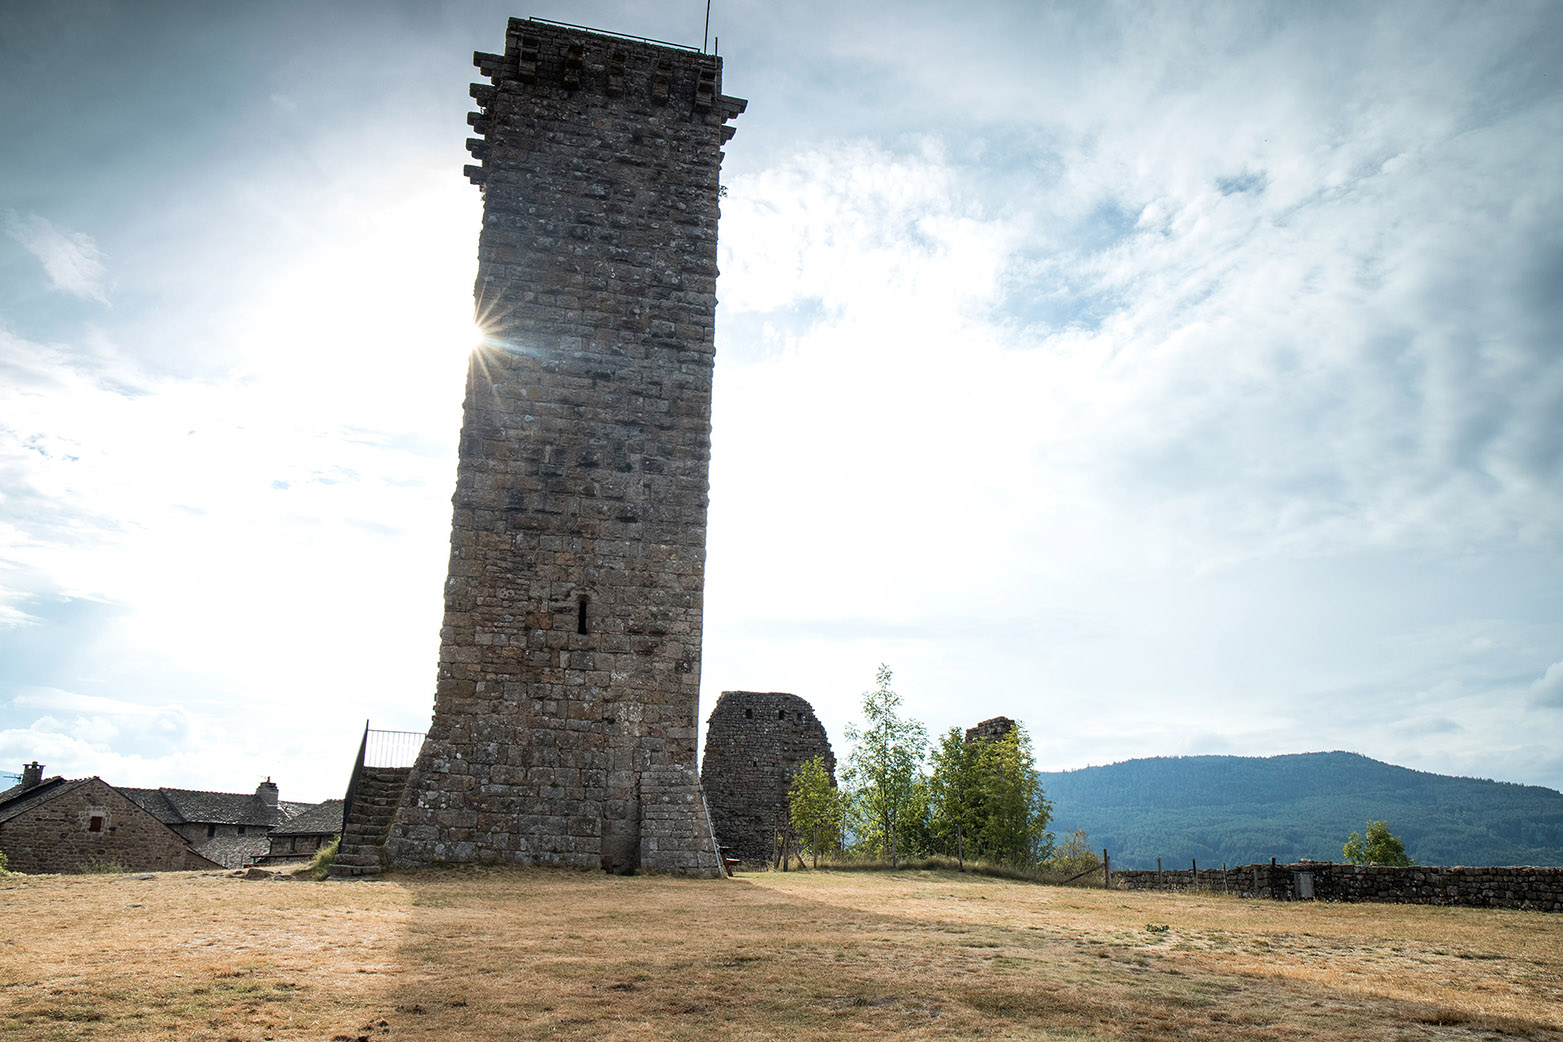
x,y
193,806
322,819
15,801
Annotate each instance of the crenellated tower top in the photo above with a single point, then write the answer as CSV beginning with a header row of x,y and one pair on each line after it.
x,y
556,61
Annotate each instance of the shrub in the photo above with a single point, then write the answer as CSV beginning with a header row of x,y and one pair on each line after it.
x,y
320,865
1075,857
1378,847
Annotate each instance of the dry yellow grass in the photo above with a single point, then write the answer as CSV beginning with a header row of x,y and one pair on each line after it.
x,y
506,954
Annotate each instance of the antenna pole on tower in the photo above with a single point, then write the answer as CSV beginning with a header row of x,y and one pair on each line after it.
x,y
706,35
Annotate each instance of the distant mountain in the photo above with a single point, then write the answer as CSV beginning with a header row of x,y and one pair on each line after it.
x,y
1247,809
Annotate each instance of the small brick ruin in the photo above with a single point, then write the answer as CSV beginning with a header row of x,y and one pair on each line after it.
x,y
755,743
991,730
565,706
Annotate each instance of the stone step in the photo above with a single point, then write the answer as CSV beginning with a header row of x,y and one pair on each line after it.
x,y
358,861
377,792
351,872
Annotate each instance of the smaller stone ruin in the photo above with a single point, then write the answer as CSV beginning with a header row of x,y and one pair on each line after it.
x,y
755,743
990,730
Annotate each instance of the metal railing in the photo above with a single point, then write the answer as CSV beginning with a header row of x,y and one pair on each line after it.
x,y
391,748
620,36
380,749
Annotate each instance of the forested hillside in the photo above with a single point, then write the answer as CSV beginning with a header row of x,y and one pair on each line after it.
x,y
1244,809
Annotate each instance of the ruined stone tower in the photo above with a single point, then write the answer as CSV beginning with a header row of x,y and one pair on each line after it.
x,y
993,729
564,712
755,743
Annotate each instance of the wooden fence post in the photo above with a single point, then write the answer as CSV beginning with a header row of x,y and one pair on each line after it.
x,y
1107,870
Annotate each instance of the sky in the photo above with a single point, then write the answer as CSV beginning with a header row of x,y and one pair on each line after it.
x,y
1174,378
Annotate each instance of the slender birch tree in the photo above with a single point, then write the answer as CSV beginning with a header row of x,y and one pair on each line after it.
x,y
884,770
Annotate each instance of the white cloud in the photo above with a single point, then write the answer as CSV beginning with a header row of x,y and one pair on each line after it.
x,y
1350,352
1547,690
71,259
57,700
1120,380
1069,357
270,532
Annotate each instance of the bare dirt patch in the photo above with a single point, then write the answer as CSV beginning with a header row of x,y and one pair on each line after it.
x,y
508,954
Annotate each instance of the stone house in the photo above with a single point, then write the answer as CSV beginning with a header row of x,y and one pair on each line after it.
x,y
60,825
305,833
229,828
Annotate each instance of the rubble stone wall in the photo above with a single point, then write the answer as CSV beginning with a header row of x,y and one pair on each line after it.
x,y
570,650
755,743
1539,889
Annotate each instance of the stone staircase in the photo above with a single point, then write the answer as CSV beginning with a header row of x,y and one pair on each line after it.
x,y
377,794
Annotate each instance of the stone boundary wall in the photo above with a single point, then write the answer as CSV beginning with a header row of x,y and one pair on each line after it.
x,y
1534,889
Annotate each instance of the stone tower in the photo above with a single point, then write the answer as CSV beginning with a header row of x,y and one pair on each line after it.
x,y
755,743
569,674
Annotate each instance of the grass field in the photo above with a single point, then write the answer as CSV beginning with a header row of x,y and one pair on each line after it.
x,y
490,954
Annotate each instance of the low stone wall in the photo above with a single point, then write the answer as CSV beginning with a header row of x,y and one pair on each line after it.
x,y
1535,889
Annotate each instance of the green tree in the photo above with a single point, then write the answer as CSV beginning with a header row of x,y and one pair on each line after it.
x,y
1377,847
912,835
815,807
884,771
986,800
955,794
1018,812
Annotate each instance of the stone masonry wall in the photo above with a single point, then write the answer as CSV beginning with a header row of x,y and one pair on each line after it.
x,y
56,835
570,649
1539,889
755,743
675,832
992,729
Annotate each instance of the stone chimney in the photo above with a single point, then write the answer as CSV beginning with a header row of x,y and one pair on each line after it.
x,y
32,774
267,791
